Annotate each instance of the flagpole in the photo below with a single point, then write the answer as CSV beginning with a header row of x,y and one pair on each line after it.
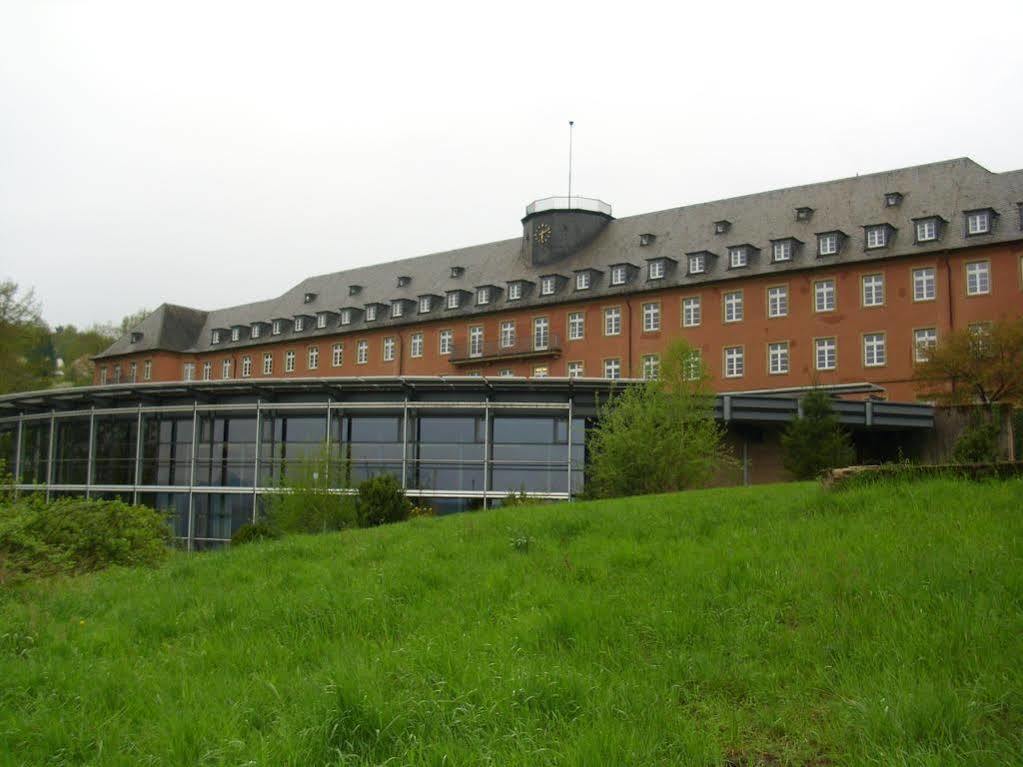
x,y
571,124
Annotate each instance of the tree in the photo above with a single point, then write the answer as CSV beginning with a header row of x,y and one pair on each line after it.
x,y
660,436
979,366
816,441
77,348
26,353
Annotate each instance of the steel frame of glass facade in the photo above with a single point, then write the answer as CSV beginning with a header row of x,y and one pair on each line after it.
x,y
208,452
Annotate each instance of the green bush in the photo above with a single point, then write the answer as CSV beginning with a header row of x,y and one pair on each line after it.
x,y
306,502
74,535
381,501
978,443
257,531
816,441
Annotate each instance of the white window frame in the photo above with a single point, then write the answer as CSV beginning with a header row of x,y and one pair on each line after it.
x,y
778,358
547,286
828,347
225,369
371,313
541,333
268,363
482,296
655,269
454,299
692,311
574,369
362,352
693,365
416,345
651,366
312,357
147,370
927,230
978,222
346,316
576,326
337,355
875,354
514,291
321,320
872,289
732,301
246,366
507,334
827,244
781,250
877,237
738,257
476,341
652,317
445,341
236,333
825,295
425,304
735,361
289,362
778,301
618,275
103,373
698,263
276,327
256,330
299,324
613,368
397,309
924,339
189,371
215,337
613,321
389,348
978,278
582,280
207,371
133,372
925,283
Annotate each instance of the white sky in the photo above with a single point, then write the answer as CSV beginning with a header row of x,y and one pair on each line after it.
x,y
214,153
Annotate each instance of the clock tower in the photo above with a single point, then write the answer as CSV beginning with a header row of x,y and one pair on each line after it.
x,y
557,227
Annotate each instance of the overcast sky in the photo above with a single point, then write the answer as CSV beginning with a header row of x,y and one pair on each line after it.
x,y
210,154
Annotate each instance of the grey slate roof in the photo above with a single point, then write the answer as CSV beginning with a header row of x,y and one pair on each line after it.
x,y
943,189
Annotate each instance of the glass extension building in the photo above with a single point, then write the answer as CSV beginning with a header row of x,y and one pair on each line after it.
x,y
209,452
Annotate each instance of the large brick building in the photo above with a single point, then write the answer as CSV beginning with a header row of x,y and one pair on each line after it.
x,y
841,282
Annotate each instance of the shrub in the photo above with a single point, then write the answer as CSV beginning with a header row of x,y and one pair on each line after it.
x,y
305,503
978,443
257,531
425,510
74,535
381,501
816,441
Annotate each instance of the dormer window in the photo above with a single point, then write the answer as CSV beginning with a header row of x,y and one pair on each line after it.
x,y
647,239
136,336
425,304
514,291
548,285
256,330
403,280
299,324
371,312
583,280
655,269
276,327
457,271
346,316
720,227
697,263
236,333
738,257
618,274
321,320
354,290
454,299
893,199
978,222
482,296
928,229
397,309
215,337
309,298
829,243
781,250
877,236
804,214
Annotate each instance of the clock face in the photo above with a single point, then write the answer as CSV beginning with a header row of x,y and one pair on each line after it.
x,y
543,233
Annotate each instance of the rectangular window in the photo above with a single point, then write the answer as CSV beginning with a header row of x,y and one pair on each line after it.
x,y
371,313
541,371
613,321
362,353
246,366
651,366
924,340
256,331
215,337
575,369
133,369
613,368
733,306
737,257
416,345
877,236
825,353
576,326
827,244
782,250
337,355
734,363
506,373
618,275
117,374
541,333
778,358
655,271
389,347
693,365
476,341
447,340
873,290
454,299
507,334
514,291
651,317
225,369
778,301
582,281
927,230
873,350
275,327
313,358
697,263
824,296
425,304
397,308
147,370
346,316
547,285
189,371
268,364
978,278
289,362
482,296
299,324
207,371
978,222
321,320
923,284
236,333
691,312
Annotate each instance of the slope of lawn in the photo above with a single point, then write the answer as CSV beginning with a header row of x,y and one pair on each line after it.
x,y
768,625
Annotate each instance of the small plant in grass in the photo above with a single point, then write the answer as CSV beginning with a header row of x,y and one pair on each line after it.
x,y
382,501
257,531
816,441
421,510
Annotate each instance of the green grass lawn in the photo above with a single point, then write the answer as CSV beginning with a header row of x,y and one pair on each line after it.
x,y
768,625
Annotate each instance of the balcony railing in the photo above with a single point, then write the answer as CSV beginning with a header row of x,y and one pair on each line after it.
x,y
568,203
465,353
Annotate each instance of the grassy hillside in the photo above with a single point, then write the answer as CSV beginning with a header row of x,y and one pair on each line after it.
x,y
772,625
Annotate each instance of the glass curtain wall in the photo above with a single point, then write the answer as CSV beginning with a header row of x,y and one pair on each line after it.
x,y
113,459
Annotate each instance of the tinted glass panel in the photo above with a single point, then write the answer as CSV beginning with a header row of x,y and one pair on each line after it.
x,y
35,446
71,456
113,461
